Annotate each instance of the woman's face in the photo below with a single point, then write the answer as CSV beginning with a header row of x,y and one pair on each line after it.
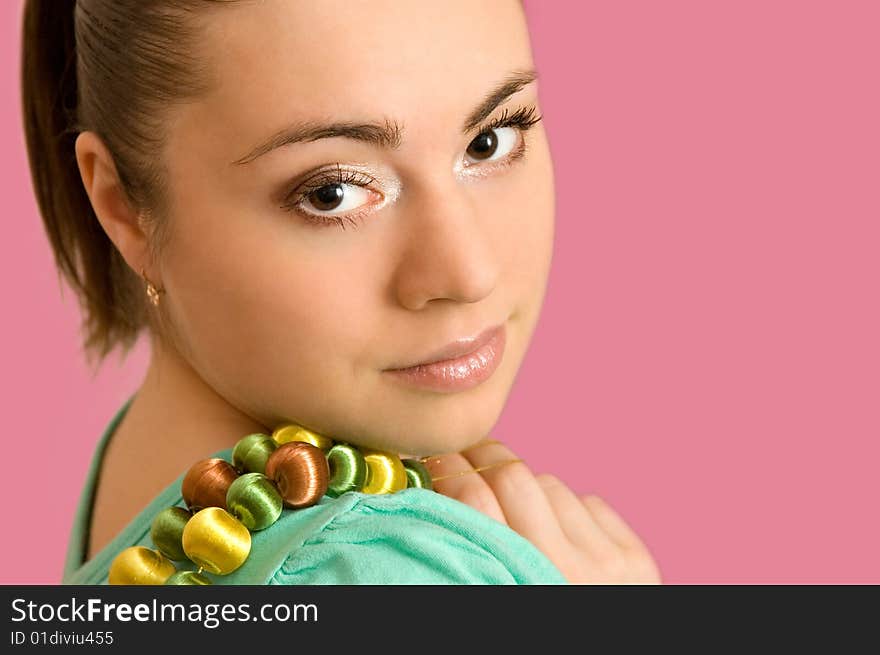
x,y
295,278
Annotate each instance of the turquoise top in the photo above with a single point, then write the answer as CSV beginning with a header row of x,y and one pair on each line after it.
x,y
414,536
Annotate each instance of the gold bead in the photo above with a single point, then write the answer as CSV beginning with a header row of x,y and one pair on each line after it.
x,y
386,472
293,432
216,541
140,565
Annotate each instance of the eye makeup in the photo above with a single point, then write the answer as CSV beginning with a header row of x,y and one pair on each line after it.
x,y
523,118
369,183
388,189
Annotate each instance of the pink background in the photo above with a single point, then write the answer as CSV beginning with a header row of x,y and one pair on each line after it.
x,y
708,357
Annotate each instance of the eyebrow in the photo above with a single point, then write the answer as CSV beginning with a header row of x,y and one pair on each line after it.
x,y
388,133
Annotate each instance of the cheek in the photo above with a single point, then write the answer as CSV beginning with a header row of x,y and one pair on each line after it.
x,y
260,308
525,224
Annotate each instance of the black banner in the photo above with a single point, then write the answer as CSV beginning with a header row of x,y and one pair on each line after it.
x,y
446,617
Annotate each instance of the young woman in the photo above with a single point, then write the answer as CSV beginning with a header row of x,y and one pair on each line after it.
x,y
332,214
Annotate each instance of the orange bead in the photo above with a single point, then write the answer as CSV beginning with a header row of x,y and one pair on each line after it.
x,y
206,483
300,471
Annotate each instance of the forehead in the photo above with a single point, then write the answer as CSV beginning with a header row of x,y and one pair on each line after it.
x,y
274,60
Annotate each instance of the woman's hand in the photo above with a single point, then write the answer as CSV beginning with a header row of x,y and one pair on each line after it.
x,y
584,537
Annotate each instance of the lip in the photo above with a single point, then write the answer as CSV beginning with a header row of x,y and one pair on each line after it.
x,y
459,365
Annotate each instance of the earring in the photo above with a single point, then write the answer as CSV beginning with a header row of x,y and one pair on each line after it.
x,y
152,292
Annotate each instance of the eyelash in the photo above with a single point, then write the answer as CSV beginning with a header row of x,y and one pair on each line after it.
x,y
523,119
322,179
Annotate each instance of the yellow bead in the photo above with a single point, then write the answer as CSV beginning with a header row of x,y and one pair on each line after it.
x,y
293,432
216,541
140,565
386,472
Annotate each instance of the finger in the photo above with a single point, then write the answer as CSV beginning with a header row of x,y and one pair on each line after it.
x,y
613,523
469,487
519,495
576,520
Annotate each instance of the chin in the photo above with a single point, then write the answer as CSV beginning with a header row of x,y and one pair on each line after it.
x,y
439,436
453,443
419,425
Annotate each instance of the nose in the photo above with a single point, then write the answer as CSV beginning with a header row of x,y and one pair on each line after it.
x,y
447,252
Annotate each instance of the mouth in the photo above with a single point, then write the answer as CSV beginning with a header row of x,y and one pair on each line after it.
x,y
457,366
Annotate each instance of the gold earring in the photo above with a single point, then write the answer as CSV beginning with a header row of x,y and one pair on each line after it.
x,y
152,292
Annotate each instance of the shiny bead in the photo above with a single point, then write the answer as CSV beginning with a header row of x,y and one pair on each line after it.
x,y
216,541
417,474
166,531
188,578
300,472
387,474
348,469
293,432
254,500
140,565
206,483
251,452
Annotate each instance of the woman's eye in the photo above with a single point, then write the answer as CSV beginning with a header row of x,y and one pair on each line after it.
x,y
336,197
340,196
492,145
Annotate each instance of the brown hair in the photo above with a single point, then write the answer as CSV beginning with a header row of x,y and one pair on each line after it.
x,y
112,67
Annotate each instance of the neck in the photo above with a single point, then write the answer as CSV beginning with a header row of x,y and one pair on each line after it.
x,y
180,418
174,420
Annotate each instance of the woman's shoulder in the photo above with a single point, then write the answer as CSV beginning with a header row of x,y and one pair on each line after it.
x,y
414,536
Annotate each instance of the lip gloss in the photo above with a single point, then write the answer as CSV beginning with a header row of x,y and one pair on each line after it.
x,y
459,373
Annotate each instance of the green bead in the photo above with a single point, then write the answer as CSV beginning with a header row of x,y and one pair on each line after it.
x,y
348,469
251,452
188,578
254,500
417,474
166,531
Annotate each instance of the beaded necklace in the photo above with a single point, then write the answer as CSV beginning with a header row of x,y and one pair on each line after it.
x,y
293,467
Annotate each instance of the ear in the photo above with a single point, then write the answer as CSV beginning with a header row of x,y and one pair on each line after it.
x,y
120,221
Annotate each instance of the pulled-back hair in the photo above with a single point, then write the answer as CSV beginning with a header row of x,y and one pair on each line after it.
x,y
112,67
